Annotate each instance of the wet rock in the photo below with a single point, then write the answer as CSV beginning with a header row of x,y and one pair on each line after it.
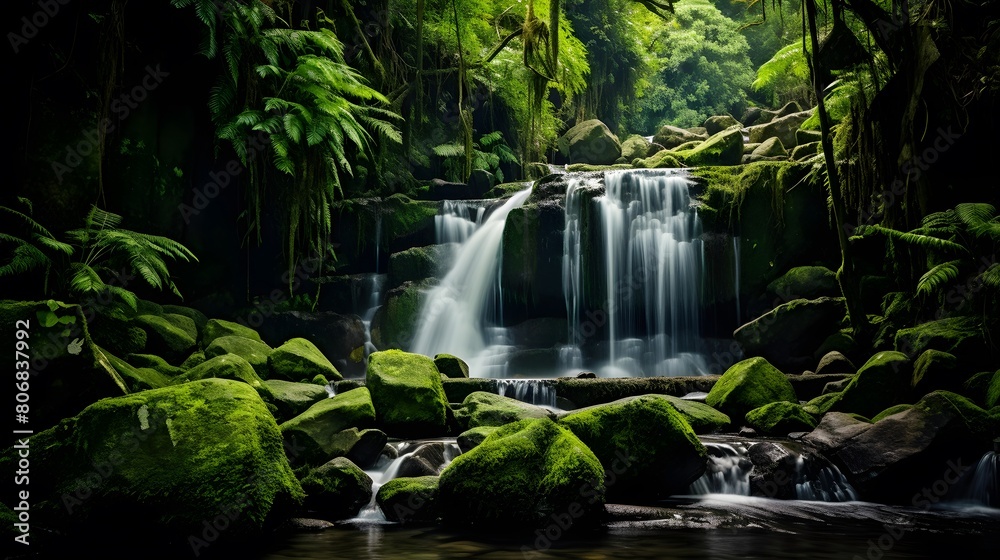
x,y
369,447
747,385
417,264
293,398
473,437
788,334
395,322
337,489
300,360
780,418
314,437
883,381
451,366
490,409
336,336
255,353
407,393
228,366
410,500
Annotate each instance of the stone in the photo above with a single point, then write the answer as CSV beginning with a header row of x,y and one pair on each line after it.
x,y
300,360
172,337
293,398
671,136
780,418
723,148
805,151
256,353
473,437
804,282
884,380
417,264
336,336
481,181
959,336
807,136
315,435
635,146
227,366
410,500
395,322
935,369
645,445
522,475
215,328
788,334
590,142
368,448
747,385
718,123
452,367
337,489
770,148
782,128
835,362
407,393
490,409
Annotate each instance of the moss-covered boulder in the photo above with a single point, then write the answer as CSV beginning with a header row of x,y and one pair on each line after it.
x,y
137,378
718,123
769,148
788,334
171,336
395,322
635,146
835,362
747,385
473,437
417,264
523,474
883,381
228,366
646,446
723,148
293,398
409,500
153,361
590,142
199,318
671,136
452,367
314,437
407,393
935,369
804,282
822,404
782,127
894,409
702,418
216,328
163,465
300,360
369,446
780,418
960,336
664,159
337,489
256,353
490,409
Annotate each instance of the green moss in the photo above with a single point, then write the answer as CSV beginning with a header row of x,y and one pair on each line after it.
x,y
174,457
417,264
822,404
195,359
702,418
521,475
216,328
723,148
807,282
452,367
119,336
644,441
256,353
505,190
894,409
490,409
227,366
960,336
409,500
171,336
292,398
402,216
407,393
977,421
300,360
883,381
137,378
337,489
780,418
199,318
474,436
664,159
155,362
747,385
934,369
314,434
993,391
146,307
395,322
587,167
320,379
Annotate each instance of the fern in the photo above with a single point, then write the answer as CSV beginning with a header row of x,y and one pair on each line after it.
x,y
938,276
911,238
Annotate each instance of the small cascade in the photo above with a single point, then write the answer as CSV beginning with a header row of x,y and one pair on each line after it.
x,y
736,277
821,483
373,284
539,392
457,220
983,484
378,238
331,389
459,311
571,274
728,471
389,468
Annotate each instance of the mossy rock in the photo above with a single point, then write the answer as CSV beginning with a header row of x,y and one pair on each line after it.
x,y
590,168
789,334
153,361
199,318
894,409
138,378
671,136
664,159
409,500
407,393
505,190
780,418
883,381
935,369
635,146
300,360
702,418
337,489
169,459
474,436
590,141
822,404
365,452
146,307
723,148
314,437
993,391
121,337
403,217
768,148
320,379
293,398
417,264
216,328
718,123
452,367
805,282
490,409
195,359
644,444
171,336
522,475
256,353
959,336
395,322
747,385
228,366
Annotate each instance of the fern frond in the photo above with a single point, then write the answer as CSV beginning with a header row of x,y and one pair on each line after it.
x,y
911,238
938,276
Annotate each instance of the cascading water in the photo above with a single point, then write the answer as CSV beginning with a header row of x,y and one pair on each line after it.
x,y
388,468
982,486
736,277
454,317
728,471
457,220
652,261
539,392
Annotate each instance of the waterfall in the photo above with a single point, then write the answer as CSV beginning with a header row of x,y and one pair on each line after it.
x,y
653,259
454,316
728,471
388,468
571,273
457,220
539,392
374,284
982,485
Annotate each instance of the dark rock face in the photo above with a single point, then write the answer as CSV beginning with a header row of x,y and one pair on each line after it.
x,y
788,334
335,335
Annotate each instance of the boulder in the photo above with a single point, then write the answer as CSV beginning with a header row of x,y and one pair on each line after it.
x,y
473,437
780,474
820,405
724,148
153,361
765,116
702,418
671,136
894,409
451,367
368,448
439,189
645,445
215,328
718,123
336,336
199,318
158,463
407,393
780,419
663,159
959,336
590,142
883,381
782,128
137,378
293,398
481,181
807,136
635,146
525,474
300,360
901,456
256,353
417,264
409,500
490,409
337,489
747,385
788,334
804,282
395,322
769,148
804,151
935,369
171,336
835,362
315,436
228,366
